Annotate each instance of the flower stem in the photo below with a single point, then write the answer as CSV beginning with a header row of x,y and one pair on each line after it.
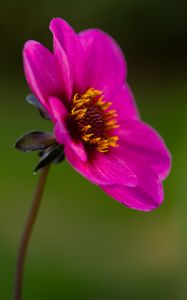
x,y
27,233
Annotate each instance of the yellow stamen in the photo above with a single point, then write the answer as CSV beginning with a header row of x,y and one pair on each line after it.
x,y
106,105
75,111
110,114
103,145
87,137
94,120
78,104
85,128
113,141
111,127
91,93
100,101
111,122
95,140
80,116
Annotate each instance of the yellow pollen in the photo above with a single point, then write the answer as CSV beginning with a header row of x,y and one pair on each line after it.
x,y
113,141
106,105
93,121
110,114
100,101
111,122
85,128
87,137
95,140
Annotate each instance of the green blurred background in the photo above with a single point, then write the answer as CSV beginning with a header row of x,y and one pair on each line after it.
x,y
85,245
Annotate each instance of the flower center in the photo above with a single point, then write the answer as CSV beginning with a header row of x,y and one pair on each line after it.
x,y
93,120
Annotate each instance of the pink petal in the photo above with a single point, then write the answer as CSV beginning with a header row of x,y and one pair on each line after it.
x,y
146,196
67,39
77,150
41,72
124,104
66,79
105,66
59,117
103,168
144,143
135,198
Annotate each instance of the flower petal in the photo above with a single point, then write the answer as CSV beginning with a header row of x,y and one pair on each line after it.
x,y
59,117
135,198
103,168
124,104
146,196
76,148
105,66
64,68
145,144
66,39
41,71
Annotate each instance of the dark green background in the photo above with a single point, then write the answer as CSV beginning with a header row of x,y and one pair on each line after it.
x,y
85,245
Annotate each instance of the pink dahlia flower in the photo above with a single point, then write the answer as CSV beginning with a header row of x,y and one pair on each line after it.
x,y
82,86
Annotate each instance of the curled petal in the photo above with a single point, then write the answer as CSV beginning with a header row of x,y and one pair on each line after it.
x,y
59,116
76,149
66,41
41,71
104,65
66,76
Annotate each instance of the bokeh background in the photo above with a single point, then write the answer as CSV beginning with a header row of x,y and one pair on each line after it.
x,y
85,245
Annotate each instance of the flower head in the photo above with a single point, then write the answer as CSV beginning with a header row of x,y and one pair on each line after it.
x,y
82,88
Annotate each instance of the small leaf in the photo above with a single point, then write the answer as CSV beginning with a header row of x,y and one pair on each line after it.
x,y
35,140
31,99
53,154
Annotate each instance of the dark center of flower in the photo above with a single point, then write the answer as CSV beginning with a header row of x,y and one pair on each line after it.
x,y
92,120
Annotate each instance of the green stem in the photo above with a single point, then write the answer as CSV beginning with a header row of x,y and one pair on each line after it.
x,y
27,233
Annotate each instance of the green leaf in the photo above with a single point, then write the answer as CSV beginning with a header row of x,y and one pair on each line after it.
x,y
54,154
35,140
